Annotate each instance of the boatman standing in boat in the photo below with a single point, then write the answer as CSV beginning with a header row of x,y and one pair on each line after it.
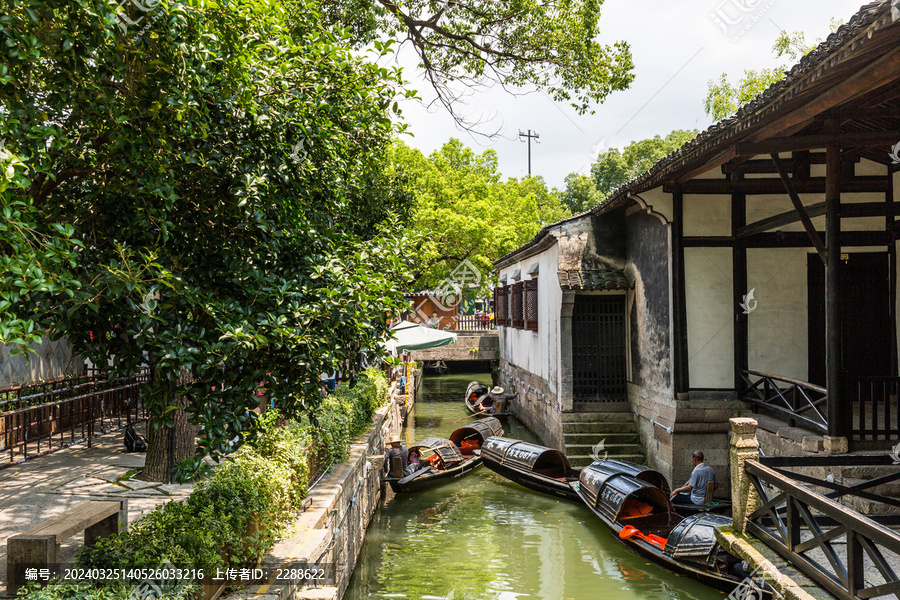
x,y
396,449
694,491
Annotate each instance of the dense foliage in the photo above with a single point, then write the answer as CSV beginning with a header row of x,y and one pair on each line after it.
x,y
235,516
616,167
200,185
551,46
465,211
725,98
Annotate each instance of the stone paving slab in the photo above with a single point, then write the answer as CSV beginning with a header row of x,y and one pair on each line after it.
x,y
39,489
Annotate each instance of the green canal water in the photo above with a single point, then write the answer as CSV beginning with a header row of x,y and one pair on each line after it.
x,y
483,537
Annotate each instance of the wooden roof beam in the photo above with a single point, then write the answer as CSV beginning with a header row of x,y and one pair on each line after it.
x,y
801,210
811,142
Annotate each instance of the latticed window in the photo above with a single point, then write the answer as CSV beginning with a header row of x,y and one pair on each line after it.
x,y
515,306
531,305
500,305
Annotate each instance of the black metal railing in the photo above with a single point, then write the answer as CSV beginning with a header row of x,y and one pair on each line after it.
x,y
40,418
850,555
800,402
876,416
474,323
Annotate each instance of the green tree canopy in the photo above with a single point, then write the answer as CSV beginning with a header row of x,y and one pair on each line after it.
x,y
200,184
725,98
465,211
616,167
549,45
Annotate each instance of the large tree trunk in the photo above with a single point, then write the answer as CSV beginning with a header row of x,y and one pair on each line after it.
x,y
157,466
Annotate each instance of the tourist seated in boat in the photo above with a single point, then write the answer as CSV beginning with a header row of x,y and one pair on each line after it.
x,y
694,491
414,463
396,449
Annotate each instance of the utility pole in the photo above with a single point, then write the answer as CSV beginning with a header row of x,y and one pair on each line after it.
x,y
528,137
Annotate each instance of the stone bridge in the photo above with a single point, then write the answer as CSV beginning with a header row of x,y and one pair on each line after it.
x,y
469,345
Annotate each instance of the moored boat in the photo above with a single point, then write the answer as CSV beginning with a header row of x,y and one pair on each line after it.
x,y
642,517
443,460
481,400
536,467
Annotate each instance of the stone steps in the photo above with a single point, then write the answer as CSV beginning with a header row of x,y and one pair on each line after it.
x,y
616,437
597,417
585,460
583,431
601,427
612,450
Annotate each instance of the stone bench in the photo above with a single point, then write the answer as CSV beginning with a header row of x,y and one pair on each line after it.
x,y
39,546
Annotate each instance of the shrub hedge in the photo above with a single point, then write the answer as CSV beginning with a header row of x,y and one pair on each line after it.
x,y
236,515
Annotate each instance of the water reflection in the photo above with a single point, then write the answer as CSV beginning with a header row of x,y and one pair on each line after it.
x,y
483,537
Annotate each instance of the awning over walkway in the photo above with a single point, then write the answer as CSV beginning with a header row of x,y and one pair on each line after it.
x,y
409,336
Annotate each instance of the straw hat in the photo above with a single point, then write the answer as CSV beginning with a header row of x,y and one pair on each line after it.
x,y
396,440
497,390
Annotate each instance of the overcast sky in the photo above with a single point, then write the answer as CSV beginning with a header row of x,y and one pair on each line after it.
x,y
677,47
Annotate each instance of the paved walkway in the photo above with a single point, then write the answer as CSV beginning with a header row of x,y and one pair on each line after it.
x,y
44,487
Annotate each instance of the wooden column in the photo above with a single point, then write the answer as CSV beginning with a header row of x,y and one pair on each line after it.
x,y
838,423
680,369
739,286
892,257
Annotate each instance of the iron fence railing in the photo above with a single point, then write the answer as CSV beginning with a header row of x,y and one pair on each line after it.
x,y
798,401
474,323
40,418
850,555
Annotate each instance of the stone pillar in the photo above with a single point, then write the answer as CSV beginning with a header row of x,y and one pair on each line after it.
x,y
566,402
744,447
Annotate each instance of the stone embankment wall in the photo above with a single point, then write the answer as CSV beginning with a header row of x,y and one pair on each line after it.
x,y
331,531
671,430
536,405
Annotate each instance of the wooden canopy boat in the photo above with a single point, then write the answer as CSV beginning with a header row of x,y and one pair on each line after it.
x,y
642,518
445,459
536,467
479,400
657,479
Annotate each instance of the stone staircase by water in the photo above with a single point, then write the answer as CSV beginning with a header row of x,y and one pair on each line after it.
x,y
604,434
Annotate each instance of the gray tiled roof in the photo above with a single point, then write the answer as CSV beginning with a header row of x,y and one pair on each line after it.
x,y
602,278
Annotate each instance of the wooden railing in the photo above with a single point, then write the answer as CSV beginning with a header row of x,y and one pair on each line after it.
x,y
798,401
850,555
44,417
474,323
876,416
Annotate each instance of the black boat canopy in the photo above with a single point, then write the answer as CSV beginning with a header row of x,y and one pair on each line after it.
x,y
608,467
523,456
695,536
478,431
444,448
609,491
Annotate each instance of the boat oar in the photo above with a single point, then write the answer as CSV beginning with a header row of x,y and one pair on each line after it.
x,y
630,531
485,411
409,478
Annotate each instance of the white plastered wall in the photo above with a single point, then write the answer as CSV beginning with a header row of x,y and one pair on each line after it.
x,y
537,351
708,295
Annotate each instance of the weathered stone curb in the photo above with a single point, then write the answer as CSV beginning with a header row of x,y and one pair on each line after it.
x,y
740,546
332,529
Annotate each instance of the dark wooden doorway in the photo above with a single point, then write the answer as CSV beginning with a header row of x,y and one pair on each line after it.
x,y
865,314
598,351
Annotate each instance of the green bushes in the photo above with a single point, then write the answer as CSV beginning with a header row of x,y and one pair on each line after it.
x,y
236,515
346,413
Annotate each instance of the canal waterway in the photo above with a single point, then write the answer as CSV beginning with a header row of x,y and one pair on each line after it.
x,y
483,537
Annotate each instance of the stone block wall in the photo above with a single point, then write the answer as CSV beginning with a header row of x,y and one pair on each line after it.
x,y
697,423
536,406
331,531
